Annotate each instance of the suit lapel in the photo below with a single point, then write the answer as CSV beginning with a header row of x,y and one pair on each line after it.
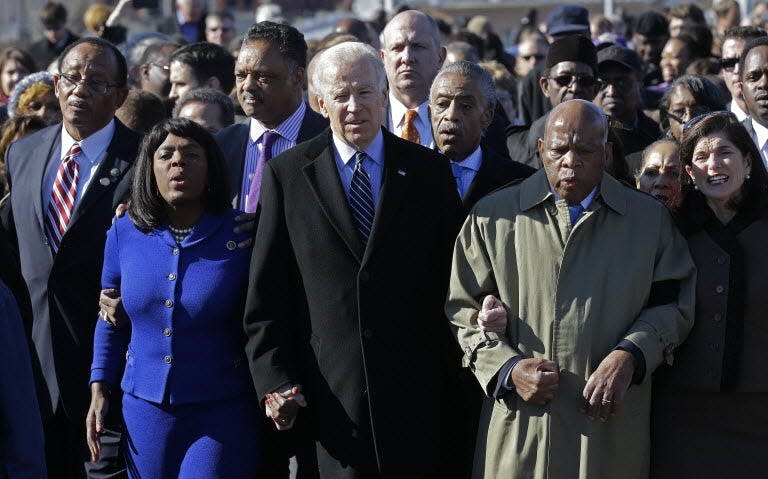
x,y
323,178
485,176
108,174
395,181
42,152
236,160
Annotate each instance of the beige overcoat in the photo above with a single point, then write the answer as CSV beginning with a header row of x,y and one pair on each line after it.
x,y
571,294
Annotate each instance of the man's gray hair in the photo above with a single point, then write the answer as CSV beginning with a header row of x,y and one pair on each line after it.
x,y
208,96
347,52
474,73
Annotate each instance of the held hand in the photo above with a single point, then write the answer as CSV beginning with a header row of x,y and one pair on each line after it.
x,y
607,386
111,307
283,406
94,421
247,225
536,380
492,317
120,210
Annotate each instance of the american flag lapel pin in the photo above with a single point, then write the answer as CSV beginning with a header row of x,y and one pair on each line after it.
x,y
401,172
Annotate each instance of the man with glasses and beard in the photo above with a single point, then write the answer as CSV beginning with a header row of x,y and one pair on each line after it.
x,y
570,73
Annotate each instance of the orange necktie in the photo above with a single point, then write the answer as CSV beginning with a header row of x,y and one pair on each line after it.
x,y
409,131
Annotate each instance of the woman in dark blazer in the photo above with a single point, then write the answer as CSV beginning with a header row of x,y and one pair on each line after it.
x,y
188,404
710,418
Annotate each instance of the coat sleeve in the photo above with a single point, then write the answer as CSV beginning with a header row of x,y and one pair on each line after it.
x,y
109,342
668,316
472,279
21,436
271,296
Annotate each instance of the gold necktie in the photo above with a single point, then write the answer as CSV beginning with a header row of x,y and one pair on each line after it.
x,y
409,131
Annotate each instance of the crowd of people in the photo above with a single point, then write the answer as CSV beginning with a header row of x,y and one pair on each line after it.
x,y
404,250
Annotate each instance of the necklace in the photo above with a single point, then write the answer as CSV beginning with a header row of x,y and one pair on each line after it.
x,y
179,233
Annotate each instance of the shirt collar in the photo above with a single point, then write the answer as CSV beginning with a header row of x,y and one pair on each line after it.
x,y
288,129
375,149
741,115
584,203
398,111
762,134
92,146
473,161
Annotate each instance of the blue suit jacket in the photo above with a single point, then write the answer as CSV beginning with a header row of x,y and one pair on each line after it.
x,y
185,302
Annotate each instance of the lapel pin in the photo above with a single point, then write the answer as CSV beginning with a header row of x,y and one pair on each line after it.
x,y
231,245
104,181
114,172
401,172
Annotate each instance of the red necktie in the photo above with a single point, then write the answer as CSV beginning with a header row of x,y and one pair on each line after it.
x,y
409,131
63,196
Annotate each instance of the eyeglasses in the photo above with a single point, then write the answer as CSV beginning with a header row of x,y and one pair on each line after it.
x,y
698,119
680,114
728,64
566,81
94,86
537,56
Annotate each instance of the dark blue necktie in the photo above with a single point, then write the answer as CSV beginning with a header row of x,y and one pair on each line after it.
x,y
361,198
575,211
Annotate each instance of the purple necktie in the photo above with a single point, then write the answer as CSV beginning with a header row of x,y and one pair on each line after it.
x,y
267,140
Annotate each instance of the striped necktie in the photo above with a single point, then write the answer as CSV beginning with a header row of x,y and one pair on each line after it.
x,y
63,197
361,198
268,139
409,131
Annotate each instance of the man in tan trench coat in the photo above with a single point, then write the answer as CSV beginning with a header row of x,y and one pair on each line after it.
x,y
598,287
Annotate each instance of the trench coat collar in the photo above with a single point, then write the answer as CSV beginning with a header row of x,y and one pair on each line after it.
x,y
535,190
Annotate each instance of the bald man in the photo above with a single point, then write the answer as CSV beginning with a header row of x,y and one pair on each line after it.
x,y
412,55
557,249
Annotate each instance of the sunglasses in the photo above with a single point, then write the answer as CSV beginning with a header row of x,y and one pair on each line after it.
x,y
728,64
712,114
691,112
566,81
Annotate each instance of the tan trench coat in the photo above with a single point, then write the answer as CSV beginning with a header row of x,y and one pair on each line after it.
x,y
572,294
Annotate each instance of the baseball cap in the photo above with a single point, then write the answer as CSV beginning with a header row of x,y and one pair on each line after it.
x,y
621,55
567,19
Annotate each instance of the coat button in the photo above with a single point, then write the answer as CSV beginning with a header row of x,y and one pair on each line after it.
x,y
167,332
168,360
171,276
720,260
168,303
175,251
719,289
367,333
718,317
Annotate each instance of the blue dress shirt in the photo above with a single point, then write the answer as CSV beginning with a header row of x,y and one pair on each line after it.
x,y
343,154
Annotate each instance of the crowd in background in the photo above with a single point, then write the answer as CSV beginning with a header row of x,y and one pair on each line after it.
x,y
229,255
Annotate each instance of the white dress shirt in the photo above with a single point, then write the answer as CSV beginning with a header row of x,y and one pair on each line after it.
x,y
734,107
762,140
397,118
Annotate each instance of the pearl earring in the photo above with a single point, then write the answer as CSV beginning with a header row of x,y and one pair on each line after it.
x,y
696,187
747,175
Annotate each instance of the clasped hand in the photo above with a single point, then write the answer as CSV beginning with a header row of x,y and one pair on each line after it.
x,y
283,406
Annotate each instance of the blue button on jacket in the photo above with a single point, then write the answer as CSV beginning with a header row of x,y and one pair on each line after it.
x,y
185,342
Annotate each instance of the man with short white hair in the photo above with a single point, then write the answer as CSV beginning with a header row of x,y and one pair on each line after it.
x,y
412,55
347,282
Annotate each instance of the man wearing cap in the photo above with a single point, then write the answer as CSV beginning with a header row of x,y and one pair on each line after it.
x,y
562,21
651,34
619,97
570,73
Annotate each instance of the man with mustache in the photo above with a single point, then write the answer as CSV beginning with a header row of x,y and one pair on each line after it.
x,y
66,181
734,41
269,77
619,96
570,73
753,73
556,248
462,102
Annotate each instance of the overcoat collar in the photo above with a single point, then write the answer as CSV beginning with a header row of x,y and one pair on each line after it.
x,y
535,190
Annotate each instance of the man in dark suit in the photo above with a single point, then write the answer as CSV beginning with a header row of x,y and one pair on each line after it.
x,y
269,77
347,280
462,105
56,35
66,181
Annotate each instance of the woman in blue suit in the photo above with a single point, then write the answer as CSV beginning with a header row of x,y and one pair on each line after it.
x,y
188,401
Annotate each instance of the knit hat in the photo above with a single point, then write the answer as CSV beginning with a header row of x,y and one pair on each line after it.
x,y
23,85
573,48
